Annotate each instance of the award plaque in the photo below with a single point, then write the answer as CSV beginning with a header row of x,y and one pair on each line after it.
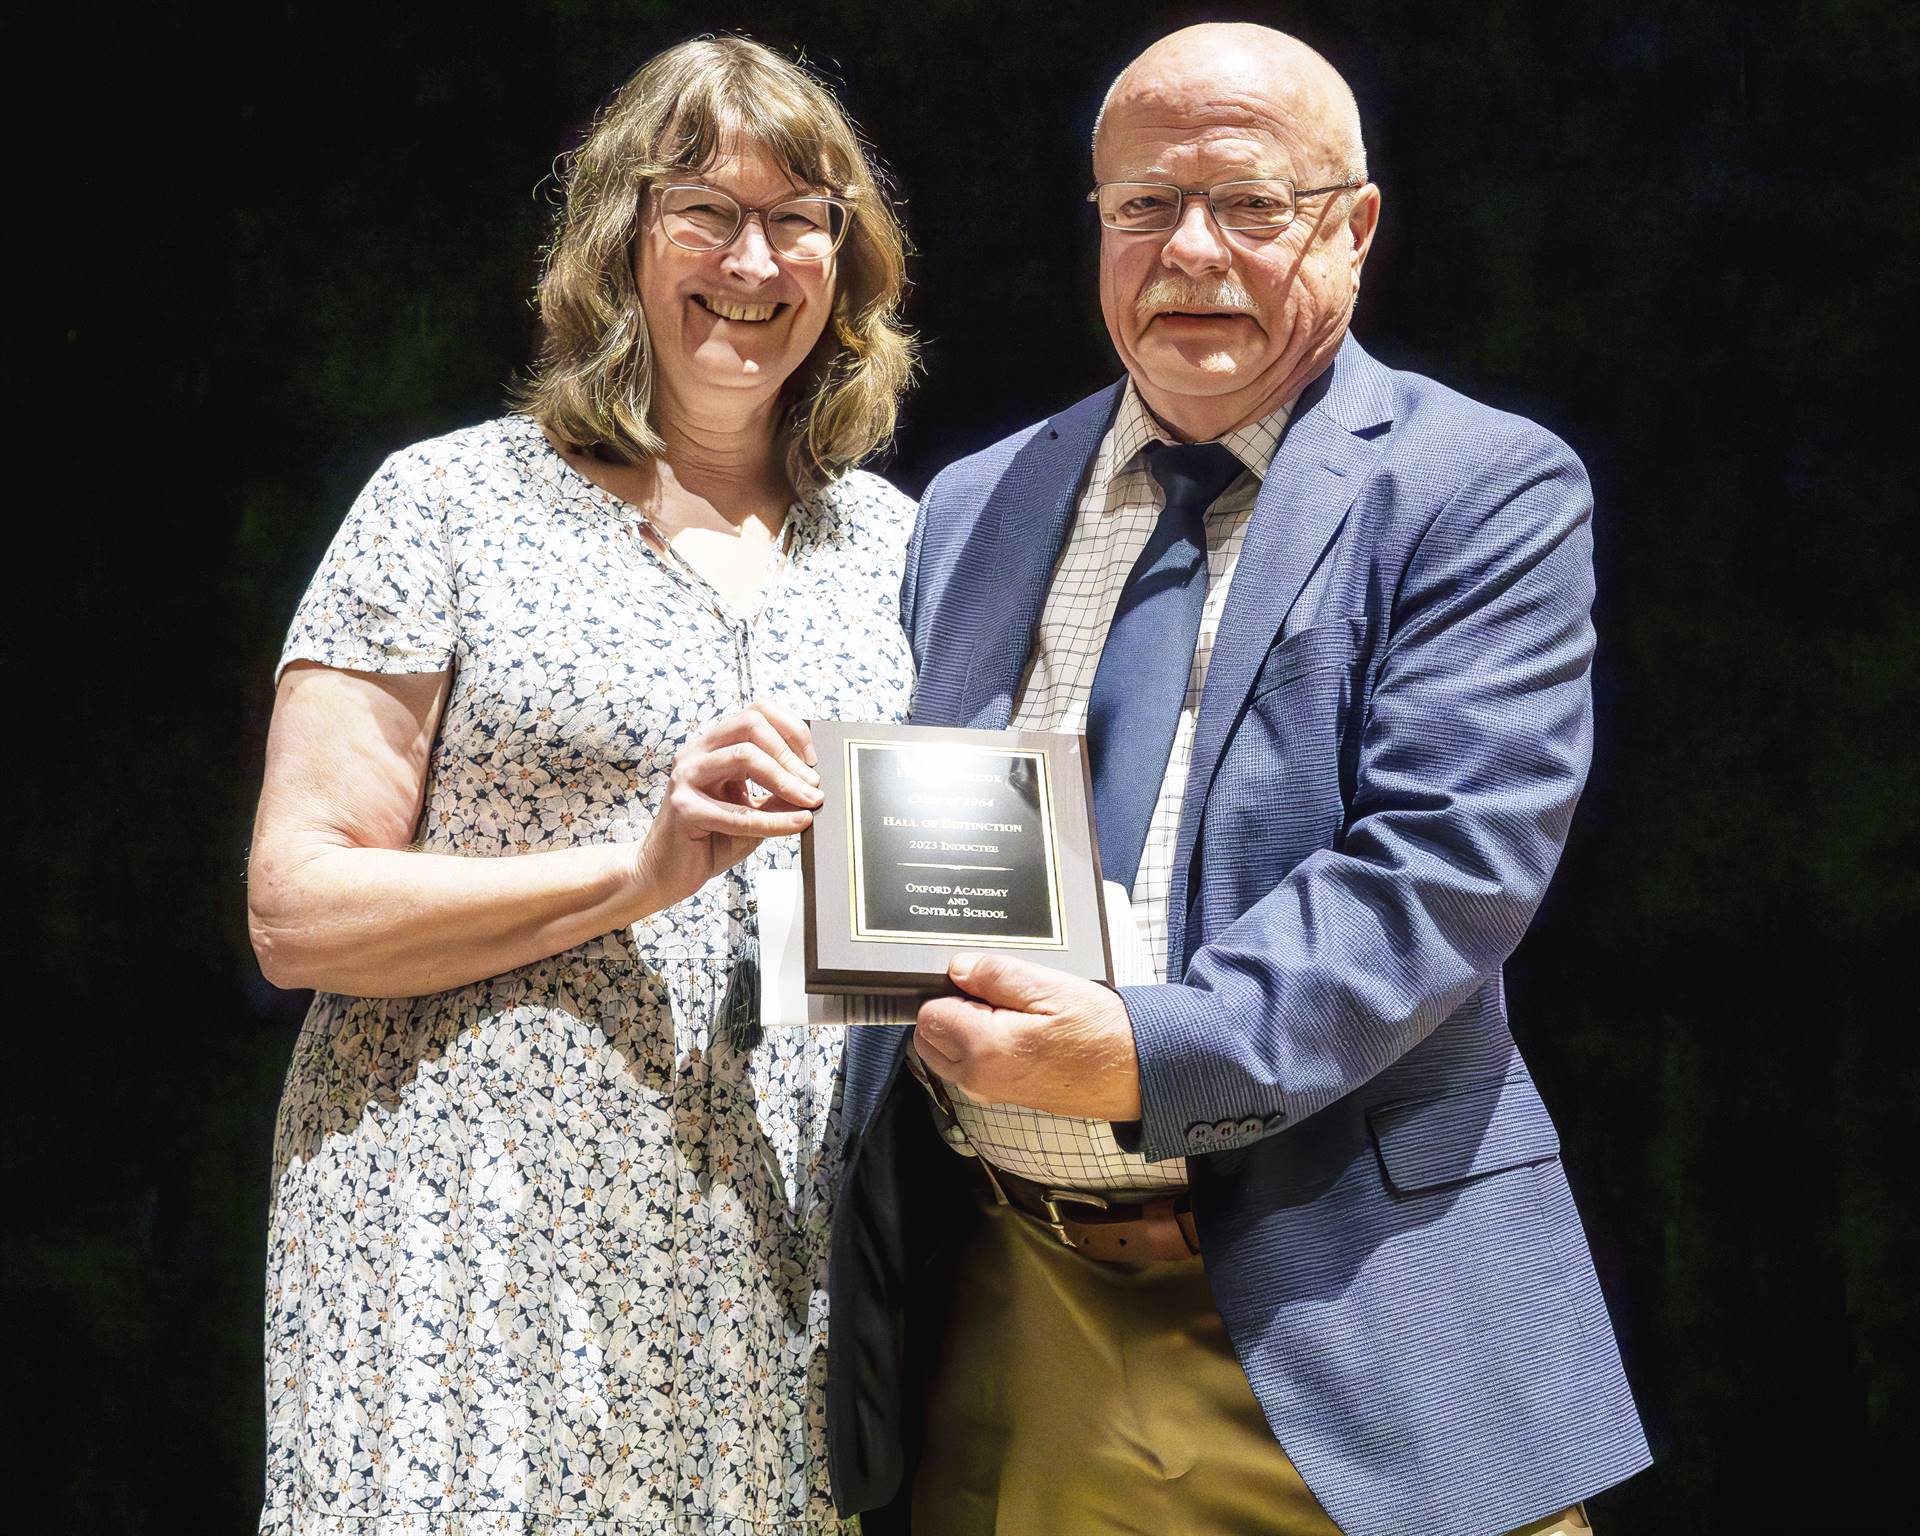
x,y
933,840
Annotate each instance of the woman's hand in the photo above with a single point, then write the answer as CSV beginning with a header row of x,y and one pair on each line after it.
x,y
745,777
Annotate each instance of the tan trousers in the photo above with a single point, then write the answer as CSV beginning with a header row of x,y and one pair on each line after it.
x,y
1076,1396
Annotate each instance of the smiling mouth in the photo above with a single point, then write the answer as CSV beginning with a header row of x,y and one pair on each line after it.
x,y
742,314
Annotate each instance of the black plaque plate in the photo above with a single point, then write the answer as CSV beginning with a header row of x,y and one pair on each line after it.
x,y
934,840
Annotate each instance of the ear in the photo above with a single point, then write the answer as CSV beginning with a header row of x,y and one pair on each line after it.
x,y
1363,219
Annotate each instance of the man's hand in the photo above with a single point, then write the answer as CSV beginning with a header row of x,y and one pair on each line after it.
x,y
1030,1035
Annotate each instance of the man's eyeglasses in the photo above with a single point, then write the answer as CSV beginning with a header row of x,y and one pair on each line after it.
x,y
806,228
1150,207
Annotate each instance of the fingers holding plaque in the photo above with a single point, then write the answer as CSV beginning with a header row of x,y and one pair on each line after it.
x,y
934,840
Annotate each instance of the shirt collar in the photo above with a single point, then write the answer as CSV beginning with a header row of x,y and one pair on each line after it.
x,y
1135,427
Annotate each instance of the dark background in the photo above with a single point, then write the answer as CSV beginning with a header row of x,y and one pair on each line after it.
x,y
252,251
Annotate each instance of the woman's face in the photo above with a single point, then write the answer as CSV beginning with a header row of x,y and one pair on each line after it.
x,y
743,317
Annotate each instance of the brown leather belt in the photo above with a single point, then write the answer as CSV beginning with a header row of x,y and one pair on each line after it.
x,y
1137,1232
1117,1232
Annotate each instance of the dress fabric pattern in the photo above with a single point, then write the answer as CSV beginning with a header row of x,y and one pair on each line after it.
x,y
546,1252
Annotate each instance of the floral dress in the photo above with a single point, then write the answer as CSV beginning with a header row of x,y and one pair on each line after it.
x,y
547,1253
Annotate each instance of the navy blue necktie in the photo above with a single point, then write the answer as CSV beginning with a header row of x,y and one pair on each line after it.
x,y
1141,681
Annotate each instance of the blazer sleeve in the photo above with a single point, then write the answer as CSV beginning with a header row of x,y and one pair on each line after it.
x,y
1472,754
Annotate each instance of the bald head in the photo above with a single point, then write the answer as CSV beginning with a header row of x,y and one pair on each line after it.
x,y
1236,75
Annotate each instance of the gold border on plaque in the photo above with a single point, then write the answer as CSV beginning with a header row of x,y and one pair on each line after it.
x,y
856,916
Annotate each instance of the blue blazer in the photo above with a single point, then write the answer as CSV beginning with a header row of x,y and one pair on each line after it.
x,y
1396,724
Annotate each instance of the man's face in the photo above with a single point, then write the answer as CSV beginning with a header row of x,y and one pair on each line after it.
x,y
1218,326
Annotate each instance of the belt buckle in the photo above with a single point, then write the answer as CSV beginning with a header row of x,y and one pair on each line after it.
x,y
1050,1200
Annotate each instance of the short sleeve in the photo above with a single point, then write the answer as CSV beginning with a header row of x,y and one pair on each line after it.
x,y
882,518
383,597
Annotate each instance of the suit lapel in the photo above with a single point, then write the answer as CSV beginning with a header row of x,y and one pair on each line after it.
x,y
1022,529
1315,474
1024,526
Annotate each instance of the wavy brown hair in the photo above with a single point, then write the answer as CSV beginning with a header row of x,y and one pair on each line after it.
x,y
593,385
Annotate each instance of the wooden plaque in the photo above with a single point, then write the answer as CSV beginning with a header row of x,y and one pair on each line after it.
x,y
933,840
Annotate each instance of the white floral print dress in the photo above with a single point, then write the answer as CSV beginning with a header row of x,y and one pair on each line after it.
x,y
546,1252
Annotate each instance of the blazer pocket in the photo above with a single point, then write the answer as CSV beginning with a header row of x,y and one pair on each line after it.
x,y
1311,650
1468,1134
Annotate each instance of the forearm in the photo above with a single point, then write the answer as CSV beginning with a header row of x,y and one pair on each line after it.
x,y
380,922
1316,990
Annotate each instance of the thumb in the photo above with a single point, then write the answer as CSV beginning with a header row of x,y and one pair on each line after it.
x,y
1005,981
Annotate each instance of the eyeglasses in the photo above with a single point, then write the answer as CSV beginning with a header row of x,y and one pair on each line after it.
x,y
1150,207
806,228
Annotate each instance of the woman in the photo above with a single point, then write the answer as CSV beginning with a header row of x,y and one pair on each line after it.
x,y
548,1239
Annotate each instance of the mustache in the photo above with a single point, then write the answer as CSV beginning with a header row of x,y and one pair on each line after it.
x,y
1178,291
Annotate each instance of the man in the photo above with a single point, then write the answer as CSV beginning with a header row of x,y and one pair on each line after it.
x,y
1282,1241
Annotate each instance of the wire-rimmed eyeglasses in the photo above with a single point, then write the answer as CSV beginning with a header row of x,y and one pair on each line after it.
x,y
808,228
1265,203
